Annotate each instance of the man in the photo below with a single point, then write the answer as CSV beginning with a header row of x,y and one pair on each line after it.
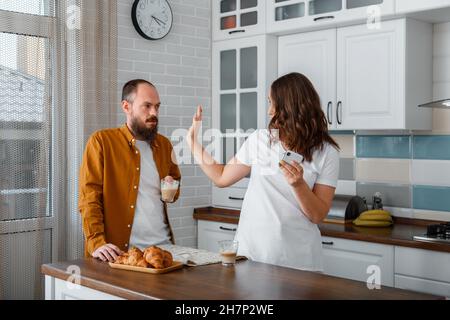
x,y
120,179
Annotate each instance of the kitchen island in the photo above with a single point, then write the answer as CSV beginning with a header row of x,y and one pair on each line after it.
x,y
247,280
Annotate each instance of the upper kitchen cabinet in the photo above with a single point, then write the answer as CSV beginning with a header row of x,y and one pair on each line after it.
x,y
314,55
287,16
238,18
408,6
383,75
367,79
242,72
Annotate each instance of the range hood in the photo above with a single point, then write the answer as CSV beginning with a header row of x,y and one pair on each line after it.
x,y
441,104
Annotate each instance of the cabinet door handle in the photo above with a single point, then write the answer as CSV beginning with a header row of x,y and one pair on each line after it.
x,y
236,31
339,112
328,243
238,199
330,119
323,18
227,229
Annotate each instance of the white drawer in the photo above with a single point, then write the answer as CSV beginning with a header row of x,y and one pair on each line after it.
x,y
228,197
425,264
211,232
350,259
422,285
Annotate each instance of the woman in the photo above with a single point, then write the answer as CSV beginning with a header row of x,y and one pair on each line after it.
x,y
283,203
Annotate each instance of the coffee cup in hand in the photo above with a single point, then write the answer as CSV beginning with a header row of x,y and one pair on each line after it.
x,y
169,188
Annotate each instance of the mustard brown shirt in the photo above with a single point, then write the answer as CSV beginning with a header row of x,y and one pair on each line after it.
x,y
109,184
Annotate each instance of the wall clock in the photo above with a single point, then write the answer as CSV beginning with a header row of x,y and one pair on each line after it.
x,y
152,19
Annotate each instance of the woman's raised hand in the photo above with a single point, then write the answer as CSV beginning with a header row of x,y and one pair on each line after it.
x,y
196,124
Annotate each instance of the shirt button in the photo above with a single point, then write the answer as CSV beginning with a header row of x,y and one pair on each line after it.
x,y
137,152
135,187
132,207
137,169
129,226
126,245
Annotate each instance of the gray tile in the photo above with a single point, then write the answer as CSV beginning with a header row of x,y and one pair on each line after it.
x,y
393,195
347,169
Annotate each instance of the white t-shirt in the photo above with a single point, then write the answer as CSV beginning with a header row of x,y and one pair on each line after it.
x,y
272,227
149,227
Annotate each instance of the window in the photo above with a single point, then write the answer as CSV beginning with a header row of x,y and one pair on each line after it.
x,y
25,122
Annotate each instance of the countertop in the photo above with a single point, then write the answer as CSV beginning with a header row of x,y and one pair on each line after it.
x,y
247,280
400,234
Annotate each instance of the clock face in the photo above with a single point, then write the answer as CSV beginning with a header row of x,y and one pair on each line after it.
x,y
152,18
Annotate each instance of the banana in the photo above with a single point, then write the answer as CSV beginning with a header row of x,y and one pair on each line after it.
x,y
376,217
370,223
378,212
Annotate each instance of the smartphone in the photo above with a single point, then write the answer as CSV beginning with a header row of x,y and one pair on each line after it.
x,y
290,156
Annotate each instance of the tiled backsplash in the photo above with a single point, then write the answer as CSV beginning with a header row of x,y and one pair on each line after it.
x,y
412,172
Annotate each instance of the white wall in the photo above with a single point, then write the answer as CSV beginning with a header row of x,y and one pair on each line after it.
x,y
180,67
441,80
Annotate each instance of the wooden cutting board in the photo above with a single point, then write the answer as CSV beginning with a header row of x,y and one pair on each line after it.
x,y
176,265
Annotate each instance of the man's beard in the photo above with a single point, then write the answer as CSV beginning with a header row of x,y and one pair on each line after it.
x,y
142,131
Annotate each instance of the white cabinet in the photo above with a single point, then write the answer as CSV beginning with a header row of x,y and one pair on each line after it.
x,y
57,289
408,6
422,270
380,76
285,16
314,55
243,70
351,259
238,18
211,232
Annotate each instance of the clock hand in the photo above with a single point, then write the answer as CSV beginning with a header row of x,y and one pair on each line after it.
x,y
158,20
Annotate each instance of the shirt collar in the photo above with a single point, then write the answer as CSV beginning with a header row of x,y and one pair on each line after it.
x,y
132,140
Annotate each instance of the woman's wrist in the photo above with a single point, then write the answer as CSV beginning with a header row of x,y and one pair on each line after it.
x,y
298,185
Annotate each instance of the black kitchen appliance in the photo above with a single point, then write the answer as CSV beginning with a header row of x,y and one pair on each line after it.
x,y
436,233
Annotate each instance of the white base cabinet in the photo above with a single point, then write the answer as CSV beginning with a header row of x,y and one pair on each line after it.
x,y
211,232
422,270
356,260
400,267
57,289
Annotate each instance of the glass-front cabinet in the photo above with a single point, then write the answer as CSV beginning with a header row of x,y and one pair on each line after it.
x,y
291,15
243,70
238,18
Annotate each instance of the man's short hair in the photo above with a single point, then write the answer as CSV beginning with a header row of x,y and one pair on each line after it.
x,y
130,88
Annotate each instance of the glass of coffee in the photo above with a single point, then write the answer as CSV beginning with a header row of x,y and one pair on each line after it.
x,y
228,252
169,190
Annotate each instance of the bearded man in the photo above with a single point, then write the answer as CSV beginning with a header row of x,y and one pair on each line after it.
x,y
120,179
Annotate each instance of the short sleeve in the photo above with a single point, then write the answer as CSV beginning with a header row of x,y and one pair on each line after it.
x,y
247,153
330,170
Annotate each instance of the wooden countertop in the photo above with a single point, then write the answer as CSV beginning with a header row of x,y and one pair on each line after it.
x,y
246,281
401,234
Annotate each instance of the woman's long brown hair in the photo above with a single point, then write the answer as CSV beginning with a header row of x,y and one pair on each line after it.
x,y
301,122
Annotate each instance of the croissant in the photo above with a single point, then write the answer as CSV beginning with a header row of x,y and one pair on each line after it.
x,y
158,258
122,259
134,257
